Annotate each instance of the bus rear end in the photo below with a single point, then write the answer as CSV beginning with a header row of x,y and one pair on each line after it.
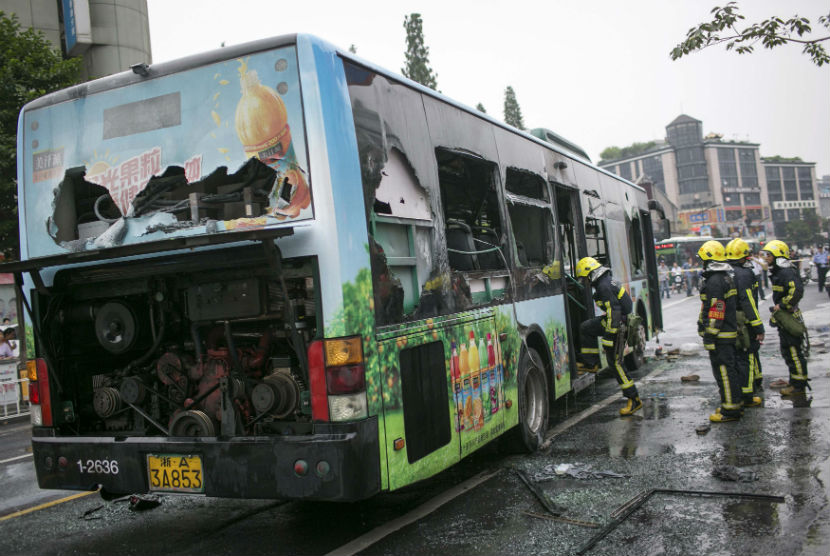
x,y
177,316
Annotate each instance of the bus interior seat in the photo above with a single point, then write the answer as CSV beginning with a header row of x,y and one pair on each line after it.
x,y
520,251
487,238
460,237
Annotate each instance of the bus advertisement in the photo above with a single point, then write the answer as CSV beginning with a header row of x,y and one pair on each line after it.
x,y
277,271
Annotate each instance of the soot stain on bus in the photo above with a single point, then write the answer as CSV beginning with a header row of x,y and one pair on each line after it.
x,y
86,216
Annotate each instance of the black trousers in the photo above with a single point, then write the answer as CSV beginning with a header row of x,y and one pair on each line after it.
x,y
793,355
745,363
755,362
725,370
590,332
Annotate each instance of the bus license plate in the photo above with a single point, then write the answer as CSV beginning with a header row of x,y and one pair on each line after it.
x,y
175,473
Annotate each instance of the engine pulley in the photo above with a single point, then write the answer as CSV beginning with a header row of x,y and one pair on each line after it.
x,y
191,423
277,394
106,401
115,327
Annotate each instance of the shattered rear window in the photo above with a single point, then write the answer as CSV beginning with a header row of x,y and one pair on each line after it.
x,y
209,150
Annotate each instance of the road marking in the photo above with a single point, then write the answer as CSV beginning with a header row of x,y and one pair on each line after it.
x,y
673,303
15,458
47,505
365,541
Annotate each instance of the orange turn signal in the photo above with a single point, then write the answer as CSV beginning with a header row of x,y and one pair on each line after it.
x,y
31,369
343,351
399,444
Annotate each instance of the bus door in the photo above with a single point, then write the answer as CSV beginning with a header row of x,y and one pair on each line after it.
x,y
571,236
651,272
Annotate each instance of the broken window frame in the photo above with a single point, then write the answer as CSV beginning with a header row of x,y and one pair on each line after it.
x,y
513,199
482,283
596,242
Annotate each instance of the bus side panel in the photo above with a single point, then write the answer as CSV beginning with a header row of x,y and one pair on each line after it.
x,y
549,315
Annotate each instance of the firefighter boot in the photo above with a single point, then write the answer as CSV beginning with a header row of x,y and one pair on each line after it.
x,y
789,391
582,368
634,404
718,417
754,402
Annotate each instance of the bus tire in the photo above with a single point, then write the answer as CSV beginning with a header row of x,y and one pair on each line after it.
x,y
636,358
532,404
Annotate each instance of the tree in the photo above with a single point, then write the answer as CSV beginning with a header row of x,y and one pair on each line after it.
x,y
512,112
29,69
480,108
417,55
613,153
771,33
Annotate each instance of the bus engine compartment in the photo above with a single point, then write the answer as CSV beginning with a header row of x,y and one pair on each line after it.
x,y
209,344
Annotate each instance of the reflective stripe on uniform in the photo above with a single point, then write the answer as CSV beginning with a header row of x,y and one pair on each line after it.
x,y
607,343
727,392
626,382
621,293
757,320
727,334
589,350
799,371
790,293
777,288
730,293
712,330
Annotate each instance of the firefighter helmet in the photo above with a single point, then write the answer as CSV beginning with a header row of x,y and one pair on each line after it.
x,y
712,251
777,248
585,266
737,249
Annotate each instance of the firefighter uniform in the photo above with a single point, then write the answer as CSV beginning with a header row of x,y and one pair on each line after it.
x,y
717,324
611,297
749,321
787,291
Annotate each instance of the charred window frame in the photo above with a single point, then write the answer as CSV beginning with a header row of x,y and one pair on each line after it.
x,y
530,211
596,238
635,246
474,233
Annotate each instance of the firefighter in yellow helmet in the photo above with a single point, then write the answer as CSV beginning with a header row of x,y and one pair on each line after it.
x,y
611,297
787,291
750,325
717,324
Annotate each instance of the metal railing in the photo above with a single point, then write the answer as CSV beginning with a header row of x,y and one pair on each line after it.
x,y
14,390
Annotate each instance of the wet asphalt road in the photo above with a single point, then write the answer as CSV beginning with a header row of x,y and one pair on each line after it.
x,y
786,448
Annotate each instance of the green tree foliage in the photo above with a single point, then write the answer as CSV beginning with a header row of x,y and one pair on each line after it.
x,y
805,231
417,54
480,108
512,112
29,69
771,33
613,153
778,158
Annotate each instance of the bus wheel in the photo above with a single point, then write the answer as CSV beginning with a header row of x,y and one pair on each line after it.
x,y
637,358
533,405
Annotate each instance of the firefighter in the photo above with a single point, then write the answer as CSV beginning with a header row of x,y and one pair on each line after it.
x,y
718,327
750,326
787,291
611,297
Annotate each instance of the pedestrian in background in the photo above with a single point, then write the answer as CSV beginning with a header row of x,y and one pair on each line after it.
x,y
676,277
757,270
717,324
787,291
688,270
663,273
820,259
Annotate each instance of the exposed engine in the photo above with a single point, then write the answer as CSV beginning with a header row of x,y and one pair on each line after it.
x,y
183,348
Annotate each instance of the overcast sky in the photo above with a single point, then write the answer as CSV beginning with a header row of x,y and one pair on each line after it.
x,y
597,72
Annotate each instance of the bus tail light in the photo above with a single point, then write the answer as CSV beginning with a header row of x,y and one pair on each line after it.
x,y
337,377
40,403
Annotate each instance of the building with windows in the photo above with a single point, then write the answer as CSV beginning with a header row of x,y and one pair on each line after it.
x,y
823,186
109,35
718,183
